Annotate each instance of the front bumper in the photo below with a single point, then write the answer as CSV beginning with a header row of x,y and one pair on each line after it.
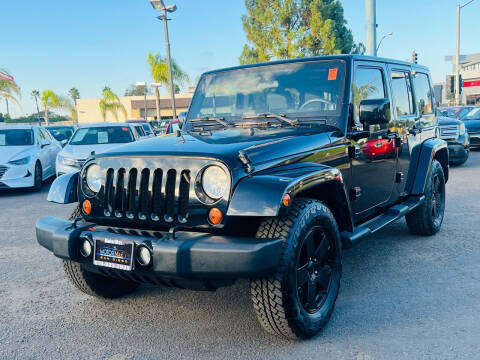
x,y
187,255
475,139
458,149
18,176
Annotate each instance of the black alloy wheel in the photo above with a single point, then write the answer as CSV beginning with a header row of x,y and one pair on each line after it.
x,y
315,269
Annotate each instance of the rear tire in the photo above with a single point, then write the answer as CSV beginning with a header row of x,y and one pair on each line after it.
x,y
297,300
427,218
97,285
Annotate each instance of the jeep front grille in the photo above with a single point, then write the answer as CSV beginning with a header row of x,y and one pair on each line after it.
x,y
147,194
3,170
450,132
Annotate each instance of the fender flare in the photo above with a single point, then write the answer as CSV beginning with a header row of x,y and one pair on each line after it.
x,y
421,164
64,189
261,195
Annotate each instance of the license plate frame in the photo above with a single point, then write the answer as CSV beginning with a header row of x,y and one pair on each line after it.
x,y
113,253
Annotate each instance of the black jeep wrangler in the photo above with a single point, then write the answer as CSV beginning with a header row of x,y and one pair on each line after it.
x,y
277,169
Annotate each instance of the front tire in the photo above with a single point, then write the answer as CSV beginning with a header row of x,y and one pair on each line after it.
x,y
97,285
38,177
427,218
297,300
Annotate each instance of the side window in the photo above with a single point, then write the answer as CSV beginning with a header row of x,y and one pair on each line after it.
x,y
139,131
423,94
401,91
368,84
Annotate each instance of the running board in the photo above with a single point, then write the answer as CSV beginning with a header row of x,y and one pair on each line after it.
x,y
349,239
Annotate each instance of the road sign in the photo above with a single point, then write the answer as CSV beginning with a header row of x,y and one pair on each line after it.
x,y
471,83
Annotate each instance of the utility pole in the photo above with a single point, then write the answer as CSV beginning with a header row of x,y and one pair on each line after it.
x,y
457,55
371,27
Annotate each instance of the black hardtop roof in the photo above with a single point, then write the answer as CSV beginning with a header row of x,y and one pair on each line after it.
x,y
348,58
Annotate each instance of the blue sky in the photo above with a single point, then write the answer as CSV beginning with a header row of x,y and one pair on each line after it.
x,y
88,44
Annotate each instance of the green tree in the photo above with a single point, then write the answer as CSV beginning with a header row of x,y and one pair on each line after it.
x,y
159,72
9,90
75,95
51,100
110,103
283,29
136,90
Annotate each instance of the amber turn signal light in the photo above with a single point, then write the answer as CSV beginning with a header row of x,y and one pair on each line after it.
x,y
286,200
87,207
215,216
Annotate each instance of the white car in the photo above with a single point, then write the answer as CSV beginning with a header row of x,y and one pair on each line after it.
x,y
27,156
90,138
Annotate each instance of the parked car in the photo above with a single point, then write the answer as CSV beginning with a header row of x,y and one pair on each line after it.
x,y
27,156
61,133
95,138
455,112
453,131
172,127
266,181
472,123
142,128
162,127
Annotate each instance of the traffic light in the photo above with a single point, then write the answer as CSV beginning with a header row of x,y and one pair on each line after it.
x,y
450,84
414,57
460,84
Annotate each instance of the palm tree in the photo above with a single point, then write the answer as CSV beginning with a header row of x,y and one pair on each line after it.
x,y
110,102
159,71
36,94
75,95
51,100
9,90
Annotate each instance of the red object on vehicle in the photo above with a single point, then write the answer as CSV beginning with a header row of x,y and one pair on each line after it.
x,y
171,127
379,148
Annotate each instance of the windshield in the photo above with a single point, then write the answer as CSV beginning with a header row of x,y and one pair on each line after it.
x,y
309,89
102,135
16,137
147,129
61,133
473,114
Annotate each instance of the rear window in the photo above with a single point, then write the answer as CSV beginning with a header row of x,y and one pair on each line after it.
x,y
61,133
16,137
102,135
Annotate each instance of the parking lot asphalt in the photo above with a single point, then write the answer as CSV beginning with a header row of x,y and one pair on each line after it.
x,y
401,297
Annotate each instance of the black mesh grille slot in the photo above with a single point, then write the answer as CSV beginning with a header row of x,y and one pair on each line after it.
x,y
157,192
184,193
170,193
120,196
144,193
109,193
132,190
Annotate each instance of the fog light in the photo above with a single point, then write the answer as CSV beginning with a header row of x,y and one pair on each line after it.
x,y
87,207
144,257
215,216
86,249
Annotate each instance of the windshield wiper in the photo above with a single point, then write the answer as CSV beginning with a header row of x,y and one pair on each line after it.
x,y
218,120
280,117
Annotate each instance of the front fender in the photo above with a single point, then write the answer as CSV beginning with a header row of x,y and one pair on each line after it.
x,y
64,189
261,195
421,164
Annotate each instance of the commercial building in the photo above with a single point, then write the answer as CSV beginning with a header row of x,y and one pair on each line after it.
x,y
135,106
470,73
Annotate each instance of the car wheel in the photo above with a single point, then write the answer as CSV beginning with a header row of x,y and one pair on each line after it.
x,y
97,285
38,177
297,300
427,218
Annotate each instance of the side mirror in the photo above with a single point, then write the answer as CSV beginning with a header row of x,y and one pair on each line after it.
x,y
375,111
64,142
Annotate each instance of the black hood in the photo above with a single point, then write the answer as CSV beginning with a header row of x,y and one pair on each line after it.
x,y
260,147
443,120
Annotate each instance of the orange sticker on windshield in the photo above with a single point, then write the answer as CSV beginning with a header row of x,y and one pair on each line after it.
x,y
332,73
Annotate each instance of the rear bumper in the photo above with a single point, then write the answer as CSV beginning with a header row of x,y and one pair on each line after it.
x,y
184,255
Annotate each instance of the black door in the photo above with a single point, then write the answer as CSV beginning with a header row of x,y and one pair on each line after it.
x,y
374,164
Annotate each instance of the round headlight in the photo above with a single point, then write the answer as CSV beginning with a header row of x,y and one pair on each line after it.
x,y
93,177
214,182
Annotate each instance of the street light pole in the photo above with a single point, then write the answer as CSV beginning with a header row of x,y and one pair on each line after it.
x,y
384,36
169,61
371,27
457,55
